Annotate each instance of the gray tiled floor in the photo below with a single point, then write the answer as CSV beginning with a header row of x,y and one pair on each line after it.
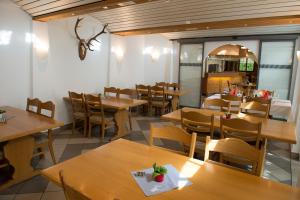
x,y
277,166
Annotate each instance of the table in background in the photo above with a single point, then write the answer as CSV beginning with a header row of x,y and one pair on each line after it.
x,y
271,129
16,135
105,173
279,108
121,116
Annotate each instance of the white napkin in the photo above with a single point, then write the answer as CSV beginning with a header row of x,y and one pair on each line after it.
x,y
172,180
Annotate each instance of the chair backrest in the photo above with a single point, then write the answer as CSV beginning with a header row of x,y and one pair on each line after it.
x,y
142,91
47,109
242,129
257,109
111,92
174,133
94,105
33,105
70,193
235,102
77,102
217,104
157,93
174,86
237,148
193,121
128,93
161,84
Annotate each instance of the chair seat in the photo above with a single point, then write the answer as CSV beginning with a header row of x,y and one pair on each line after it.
x,y
79,115
159,104
98,120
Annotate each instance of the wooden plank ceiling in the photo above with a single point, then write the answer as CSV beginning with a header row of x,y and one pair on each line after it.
x,y
175,18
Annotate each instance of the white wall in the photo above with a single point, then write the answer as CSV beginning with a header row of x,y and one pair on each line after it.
x,y
62,70
140,60
15,53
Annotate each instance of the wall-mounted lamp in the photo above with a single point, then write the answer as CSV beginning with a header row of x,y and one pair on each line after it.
x,y
155,55
298,55
119,52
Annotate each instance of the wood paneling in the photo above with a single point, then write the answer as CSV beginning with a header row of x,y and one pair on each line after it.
x,y
193,17
53,12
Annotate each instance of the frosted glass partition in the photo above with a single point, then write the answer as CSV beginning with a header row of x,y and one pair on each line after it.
x,y
190,73
275,67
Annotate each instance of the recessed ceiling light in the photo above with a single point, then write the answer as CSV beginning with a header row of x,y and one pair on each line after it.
x,y
105,7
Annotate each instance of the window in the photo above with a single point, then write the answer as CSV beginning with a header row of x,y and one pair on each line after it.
x,y
276,67
246,64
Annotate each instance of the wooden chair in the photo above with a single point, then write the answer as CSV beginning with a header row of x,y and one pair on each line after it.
x,y
70,193
236,148
242,129
46,109
158,99
173,86
203,125
96,115
111,92
217,104
235,102
161,84
33,105
267,102
143,93
78,110
257,109
176,134
128,93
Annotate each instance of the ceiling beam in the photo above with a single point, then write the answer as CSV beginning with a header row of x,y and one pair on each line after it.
x,y
266,21
88,8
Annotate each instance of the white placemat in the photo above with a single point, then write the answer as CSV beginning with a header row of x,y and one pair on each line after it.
x,y
172,180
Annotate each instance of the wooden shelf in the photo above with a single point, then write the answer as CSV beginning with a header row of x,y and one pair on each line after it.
x,y
226,74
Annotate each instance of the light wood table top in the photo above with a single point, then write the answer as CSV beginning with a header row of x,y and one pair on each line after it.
x,y
118,103
21,123
271,129
104,173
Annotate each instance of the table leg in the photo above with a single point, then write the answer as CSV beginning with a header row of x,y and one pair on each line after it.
x,y
175,102
19,153
121,118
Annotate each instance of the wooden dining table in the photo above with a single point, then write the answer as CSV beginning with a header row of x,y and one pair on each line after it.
x,y
105,173
271,129
121,116
16,137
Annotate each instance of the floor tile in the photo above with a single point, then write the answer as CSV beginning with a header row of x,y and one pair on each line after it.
x,y
53,187
28,196
7,197
53,196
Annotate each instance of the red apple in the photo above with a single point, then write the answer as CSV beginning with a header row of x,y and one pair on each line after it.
x,y
159,178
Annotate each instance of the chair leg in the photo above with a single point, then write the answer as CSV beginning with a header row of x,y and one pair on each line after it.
x,y
130,121
102,132
85,127
73,126
51,146
90,130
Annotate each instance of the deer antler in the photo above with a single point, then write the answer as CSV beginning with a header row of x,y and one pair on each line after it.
x,y
76,26
89,43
